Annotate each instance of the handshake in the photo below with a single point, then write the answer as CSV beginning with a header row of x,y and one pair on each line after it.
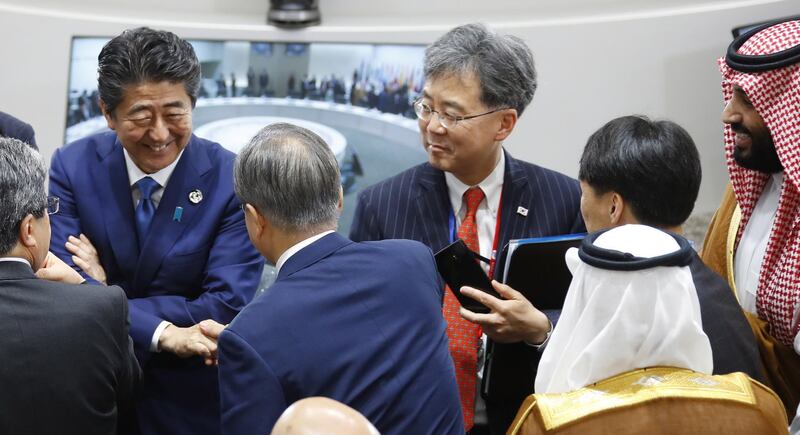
x,y
200,339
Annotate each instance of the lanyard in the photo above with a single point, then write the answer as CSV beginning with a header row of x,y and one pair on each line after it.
x,y
493,257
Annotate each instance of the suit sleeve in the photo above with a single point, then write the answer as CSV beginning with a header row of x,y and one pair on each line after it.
x,y
365,224
251,396
232,273
129,374
66,222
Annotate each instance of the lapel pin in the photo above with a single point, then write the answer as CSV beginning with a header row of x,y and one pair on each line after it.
x,y
522,211
195,196
178,213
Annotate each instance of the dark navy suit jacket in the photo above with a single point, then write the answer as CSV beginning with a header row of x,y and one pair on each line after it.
x,y
14,128
201,266
357,322
415,205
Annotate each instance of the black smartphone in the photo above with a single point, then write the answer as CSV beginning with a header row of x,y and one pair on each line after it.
x,y
458,266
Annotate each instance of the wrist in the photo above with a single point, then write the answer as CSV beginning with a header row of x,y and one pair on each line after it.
x,y
539,330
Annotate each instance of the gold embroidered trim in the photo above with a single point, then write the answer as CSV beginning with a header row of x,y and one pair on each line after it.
x,y
640,386
730,245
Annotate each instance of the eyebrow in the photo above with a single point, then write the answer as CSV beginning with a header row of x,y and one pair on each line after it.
x,y
136,108
446,103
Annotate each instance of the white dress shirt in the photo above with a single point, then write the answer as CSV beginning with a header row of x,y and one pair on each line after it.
x,y
162,178
486,221
296,248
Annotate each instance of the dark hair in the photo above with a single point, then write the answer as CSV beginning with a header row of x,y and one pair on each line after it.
x,y
145,55
502,63
22,177
653,165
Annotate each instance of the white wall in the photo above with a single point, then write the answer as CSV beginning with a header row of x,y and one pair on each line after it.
x,y
596,59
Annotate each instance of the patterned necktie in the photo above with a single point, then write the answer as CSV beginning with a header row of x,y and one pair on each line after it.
x,y
146,209
464,336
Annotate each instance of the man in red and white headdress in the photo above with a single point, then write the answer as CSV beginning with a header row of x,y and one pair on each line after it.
x,y
754,239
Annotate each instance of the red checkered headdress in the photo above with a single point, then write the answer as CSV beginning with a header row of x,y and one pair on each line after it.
x,y
767,69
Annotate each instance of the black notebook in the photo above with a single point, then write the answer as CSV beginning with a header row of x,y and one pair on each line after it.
x,y
536,268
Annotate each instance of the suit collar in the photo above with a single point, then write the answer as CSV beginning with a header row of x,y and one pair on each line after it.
x,y
15,270
432,206
312,253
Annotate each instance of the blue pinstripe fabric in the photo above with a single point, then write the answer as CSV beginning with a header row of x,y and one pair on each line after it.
x,y
415,205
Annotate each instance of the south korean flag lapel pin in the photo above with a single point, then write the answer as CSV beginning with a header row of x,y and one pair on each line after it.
x,y
522,211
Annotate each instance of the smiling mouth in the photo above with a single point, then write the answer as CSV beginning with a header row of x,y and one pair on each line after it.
x,y
158,148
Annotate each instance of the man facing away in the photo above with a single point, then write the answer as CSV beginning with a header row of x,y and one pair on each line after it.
x,y
68,362
754,237
629,354
637,171
477,84
360,323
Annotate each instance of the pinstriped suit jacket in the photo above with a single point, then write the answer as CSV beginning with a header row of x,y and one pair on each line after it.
x,y
415,205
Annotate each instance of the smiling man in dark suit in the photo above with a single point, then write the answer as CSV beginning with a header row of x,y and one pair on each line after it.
x,y
69,366
478,83
150,207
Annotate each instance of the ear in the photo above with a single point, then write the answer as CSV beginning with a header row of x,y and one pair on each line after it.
x,y
507,123
617,209
26,237
260,223
340,206
110,120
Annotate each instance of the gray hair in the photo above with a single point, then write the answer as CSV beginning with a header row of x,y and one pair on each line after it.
x,y
22,192
503,64
291,176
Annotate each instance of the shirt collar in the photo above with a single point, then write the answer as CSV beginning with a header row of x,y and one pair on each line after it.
x,y
296,248
492,187
161,177
15,259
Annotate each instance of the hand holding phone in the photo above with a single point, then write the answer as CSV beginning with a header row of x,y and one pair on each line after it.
x,y
458,266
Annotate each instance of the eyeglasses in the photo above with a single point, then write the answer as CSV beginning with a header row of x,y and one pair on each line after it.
x,y
52,204
425,113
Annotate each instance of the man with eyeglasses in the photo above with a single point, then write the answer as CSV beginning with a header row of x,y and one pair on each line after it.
x,y
478,83
53,382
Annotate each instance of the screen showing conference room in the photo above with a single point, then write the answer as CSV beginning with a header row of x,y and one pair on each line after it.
x,y
358,97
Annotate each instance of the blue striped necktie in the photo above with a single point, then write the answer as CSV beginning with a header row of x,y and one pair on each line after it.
x,y
146,209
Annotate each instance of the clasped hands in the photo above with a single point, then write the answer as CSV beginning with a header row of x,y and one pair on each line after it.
x,y
511,319
196,340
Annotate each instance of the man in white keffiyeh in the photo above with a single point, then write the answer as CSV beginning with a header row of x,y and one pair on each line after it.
x,y
754,240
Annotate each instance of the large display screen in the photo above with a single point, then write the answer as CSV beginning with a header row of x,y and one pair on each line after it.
x,y
358,97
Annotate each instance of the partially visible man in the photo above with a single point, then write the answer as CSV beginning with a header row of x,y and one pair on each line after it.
x,y
17,129
629,354
637,171
754,237
322,416
477,84
69,364
151,207
357,322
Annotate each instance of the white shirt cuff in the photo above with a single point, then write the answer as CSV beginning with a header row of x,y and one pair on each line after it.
x,y
157,335
540,346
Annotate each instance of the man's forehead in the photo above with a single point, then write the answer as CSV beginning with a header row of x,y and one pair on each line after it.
x,y
454,90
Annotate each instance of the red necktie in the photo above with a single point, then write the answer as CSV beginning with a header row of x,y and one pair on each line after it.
x,y
464,336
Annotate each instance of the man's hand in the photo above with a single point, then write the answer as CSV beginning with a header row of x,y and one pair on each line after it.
x,y
188,342
510,320
54,269
212,330
84,255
